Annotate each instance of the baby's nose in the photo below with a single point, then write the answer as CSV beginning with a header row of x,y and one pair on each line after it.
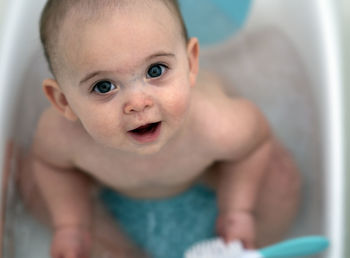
x,y
138,103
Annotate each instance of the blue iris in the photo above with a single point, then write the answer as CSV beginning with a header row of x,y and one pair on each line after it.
x,y
104,87
155,71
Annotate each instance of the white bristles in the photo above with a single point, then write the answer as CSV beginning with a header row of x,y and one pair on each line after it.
x,y
215,248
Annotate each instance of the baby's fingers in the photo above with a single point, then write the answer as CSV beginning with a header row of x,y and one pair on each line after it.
x,y
232,233
248,243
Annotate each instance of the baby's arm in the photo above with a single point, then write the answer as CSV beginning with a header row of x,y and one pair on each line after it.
x,y
241,177
66,193
65,190
74,231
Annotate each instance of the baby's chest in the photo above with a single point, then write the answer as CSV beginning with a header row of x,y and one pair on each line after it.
x,y
145,173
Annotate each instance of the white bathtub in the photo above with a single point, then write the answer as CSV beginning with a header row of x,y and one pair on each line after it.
x,y
311,125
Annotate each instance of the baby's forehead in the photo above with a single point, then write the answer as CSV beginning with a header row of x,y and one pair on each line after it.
x,y
78,24
99,10
85,15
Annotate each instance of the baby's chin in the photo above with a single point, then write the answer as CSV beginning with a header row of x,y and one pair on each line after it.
x,y
146,149
136,149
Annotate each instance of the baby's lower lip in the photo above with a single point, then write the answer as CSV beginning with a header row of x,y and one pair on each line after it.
x,y
146,134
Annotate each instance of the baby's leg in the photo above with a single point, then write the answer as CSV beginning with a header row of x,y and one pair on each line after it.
x,y
108,240
279,201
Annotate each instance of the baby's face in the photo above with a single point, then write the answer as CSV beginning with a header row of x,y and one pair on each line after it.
x,y
128,76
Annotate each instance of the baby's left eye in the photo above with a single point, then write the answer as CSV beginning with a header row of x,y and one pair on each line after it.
x,y
156,70
103,87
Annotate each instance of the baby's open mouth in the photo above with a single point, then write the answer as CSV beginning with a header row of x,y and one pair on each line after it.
x,y
148,128
146,133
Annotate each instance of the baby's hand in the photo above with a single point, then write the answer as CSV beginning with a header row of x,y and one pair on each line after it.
x,y
237,225
71,242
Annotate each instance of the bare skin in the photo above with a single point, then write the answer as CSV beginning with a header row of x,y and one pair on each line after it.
x,y
204,135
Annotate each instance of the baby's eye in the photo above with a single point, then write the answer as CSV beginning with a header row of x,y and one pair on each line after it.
x,y
156,70
104,87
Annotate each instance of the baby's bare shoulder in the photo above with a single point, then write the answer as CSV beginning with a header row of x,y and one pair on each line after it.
x,y
245,125
232,126
53,140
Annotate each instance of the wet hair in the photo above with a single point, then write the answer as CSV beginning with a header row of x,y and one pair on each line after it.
x,y
55,12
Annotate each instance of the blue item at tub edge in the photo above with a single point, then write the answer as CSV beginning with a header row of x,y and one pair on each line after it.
x,y
213,21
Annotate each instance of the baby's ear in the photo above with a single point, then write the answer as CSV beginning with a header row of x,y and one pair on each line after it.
x,y
193,56
58,99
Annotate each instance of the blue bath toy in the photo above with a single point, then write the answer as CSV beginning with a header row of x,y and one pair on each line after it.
x,y
213,21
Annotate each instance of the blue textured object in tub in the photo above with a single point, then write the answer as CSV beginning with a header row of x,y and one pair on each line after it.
x,y
165,228
213,21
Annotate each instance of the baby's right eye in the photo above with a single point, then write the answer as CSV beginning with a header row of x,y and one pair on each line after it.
x,y
103,87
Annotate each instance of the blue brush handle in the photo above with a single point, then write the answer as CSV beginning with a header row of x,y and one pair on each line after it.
x,y
296,247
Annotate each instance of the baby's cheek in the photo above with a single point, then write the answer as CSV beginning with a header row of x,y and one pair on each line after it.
x,y
100,121
101,128
177,104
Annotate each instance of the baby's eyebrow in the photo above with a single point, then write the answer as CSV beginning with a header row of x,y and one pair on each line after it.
x,y
159,54
89,76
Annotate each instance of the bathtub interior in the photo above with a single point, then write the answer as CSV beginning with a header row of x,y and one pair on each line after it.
x,y
272,61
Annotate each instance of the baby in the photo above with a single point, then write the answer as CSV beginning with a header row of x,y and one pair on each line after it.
x,y
131,111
